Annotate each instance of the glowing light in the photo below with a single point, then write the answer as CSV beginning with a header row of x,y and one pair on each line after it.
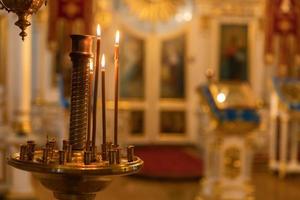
x,y
187,16
98,30
117,41
103,61
221,97
91,66
285,6
184,16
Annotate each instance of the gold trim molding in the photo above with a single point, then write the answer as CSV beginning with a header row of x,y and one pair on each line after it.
x,y
154,10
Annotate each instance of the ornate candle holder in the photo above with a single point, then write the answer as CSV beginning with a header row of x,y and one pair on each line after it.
x,y
22,8
77,171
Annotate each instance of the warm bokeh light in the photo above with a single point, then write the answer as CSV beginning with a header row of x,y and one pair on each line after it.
x,y
91,66
103,61
117,41
221,97
98,30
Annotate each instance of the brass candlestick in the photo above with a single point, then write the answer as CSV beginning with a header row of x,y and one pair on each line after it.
x,y
23,9
81,56
71,173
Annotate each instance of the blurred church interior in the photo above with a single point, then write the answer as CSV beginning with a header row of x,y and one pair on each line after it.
x,y
209,94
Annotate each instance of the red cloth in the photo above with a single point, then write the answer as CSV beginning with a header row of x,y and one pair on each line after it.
x,y
169,162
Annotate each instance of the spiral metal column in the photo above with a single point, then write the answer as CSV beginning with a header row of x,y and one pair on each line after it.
x,y
81,56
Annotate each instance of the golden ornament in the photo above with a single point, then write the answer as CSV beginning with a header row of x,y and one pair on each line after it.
x,y
154,10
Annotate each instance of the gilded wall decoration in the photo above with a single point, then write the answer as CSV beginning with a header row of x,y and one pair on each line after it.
x,y
230,7
155,15
154,10
232,162
103,14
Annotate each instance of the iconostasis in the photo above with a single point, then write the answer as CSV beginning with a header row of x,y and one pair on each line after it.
x,y
165,50
164,61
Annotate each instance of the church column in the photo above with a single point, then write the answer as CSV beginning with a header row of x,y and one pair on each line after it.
x,y
19,77
284,143
18,102
39,28
273,141
294,141
42,60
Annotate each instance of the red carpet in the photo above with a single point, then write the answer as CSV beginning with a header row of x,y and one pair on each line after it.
x,y
170,162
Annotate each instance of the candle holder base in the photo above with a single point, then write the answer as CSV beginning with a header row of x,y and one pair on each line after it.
x,y
74,180
74,197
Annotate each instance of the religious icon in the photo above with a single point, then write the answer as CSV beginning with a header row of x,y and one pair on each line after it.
x,y
172,122
132,68
172,68
136,122
234,52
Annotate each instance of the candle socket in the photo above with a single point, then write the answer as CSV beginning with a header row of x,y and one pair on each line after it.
x,y
109,146
112,156
118,155
45,155
23,151
50,146
69,153
88,146
94,153
87,157
104,152
30,150
52,143
65,145
62,157
130,153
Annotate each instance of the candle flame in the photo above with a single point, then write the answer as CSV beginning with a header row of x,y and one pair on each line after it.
x,y
91,66
98,30
103,61
117,41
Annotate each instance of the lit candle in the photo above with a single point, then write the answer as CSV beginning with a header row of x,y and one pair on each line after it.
x,y
90,106
96,87
103,100
116,59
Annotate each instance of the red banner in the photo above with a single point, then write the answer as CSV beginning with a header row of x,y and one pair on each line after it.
x,y
283,23
69,12
285,20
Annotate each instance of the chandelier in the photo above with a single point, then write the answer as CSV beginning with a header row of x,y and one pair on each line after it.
x,y
22,8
